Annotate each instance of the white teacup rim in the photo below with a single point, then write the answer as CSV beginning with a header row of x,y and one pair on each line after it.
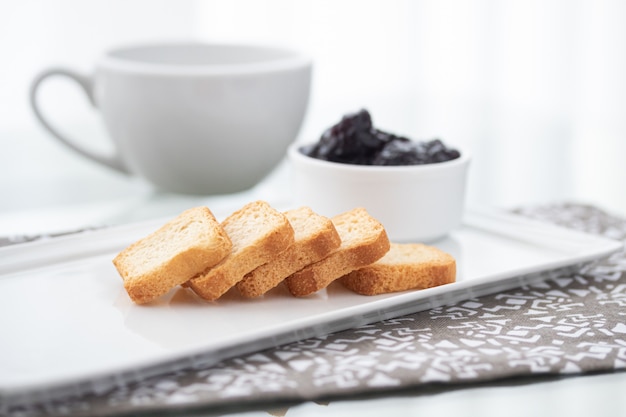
x,y
191,57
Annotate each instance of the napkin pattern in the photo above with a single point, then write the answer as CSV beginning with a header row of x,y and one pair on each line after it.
x,y
570,324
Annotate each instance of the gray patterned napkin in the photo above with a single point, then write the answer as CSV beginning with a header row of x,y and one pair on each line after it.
x,y
568,325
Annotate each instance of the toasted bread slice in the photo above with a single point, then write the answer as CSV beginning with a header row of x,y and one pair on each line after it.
x,y
315,238
405,267
258,233
180,249
363,241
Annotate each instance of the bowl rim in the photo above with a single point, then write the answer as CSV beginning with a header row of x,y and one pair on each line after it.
x,y
295,155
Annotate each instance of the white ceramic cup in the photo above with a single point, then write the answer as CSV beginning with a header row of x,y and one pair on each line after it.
x,y
415,203
193,118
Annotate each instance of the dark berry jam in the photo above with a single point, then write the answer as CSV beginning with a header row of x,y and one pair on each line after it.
x,y
354,140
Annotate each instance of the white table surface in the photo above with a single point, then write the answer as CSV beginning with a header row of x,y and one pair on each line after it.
x,y
47,189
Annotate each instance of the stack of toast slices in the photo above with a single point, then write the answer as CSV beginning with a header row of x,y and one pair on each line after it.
x,y
257,248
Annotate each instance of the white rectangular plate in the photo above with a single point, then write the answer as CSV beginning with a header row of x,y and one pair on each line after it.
x,y
67,324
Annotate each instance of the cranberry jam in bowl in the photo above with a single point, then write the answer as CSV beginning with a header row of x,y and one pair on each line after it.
x,y
416,189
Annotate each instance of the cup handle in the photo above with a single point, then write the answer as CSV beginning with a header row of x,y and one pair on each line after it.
x,y
86,83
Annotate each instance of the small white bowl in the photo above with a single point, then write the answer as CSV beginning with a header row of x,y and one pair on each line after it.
x,y
415,203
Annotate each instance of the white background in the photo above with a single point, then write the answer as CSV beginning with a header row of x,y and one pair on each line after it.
x,y
536,88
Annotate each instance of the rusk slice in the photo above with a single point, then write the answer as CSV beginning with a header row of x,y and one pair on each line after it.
x,y
258,233
405,267
363,241
315,238
187,245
